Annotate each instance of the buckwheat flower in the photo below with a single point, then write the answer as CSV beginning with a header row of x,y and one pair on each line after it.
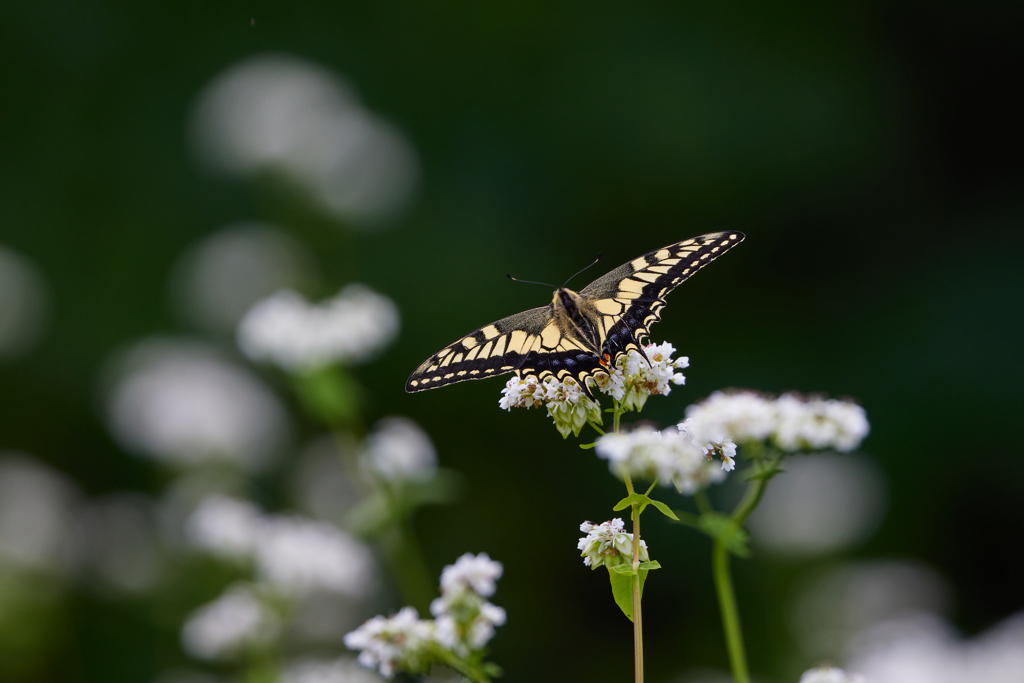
x,y
818,423
608,544
236,621
342,670
829,674
300,556
522,392
393,644
224,526
478,573
465,622
568,407
632,380
286,330
740,415
668,456
398,449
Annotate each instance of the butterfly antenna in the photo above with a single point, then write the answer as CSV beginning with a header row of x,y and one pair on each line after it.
x,y
590,266
529,282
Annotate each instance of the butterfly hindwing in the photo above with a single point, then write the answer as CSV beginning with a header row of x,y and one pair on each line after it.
x,y
492,350
629,299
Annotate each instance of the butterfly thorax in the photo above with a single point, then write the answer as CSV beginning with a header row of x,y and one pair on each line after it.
x,y
577,318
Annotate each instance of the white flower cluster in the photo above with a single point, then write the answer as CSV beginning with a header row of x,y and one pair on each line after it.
x,y
238,620
633,379
830,674
465,620
398,449
294,555
792,422
400,642
670,455
631,382
607,544
286,330
464,623
567,405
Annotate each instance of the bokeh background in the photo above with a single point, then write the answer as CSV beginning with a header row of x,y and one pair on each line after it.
x,y
165,165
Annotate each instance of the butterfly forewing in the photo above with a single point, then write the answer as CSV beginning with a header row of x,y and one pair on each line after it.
x,y
630,298
490,351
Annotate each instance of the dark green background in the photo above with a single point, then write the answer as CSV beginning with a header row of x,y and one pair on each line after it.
x,y
870,151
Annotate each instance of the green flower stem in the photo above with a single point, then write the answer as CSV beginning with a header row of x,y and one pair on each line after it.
x,y
723,579
405,560
464,668
638,627
730,614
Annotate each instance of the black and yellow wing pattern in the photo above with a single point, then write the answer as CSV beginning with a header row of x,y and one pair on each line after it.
x,y
576,335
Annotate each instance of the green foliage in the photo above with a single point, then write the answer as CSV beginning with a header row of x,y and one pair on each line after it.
x,y
643,501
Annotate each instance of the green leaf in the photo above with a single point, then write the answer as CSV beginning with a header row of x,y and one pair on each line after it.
x,y
631,499
626,568
653,564
664,509
723,529
622,590
587,446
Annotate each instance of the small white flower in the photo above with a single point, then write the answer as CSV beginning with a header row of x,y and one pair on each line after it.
x,y
300,556
288,331
608,544
474,572
235,621
225,526
393,644
829,674
632,380
398,449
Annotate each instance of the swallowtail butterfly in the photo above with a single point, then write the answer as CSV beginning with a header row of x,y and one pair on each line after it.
x,y
578,333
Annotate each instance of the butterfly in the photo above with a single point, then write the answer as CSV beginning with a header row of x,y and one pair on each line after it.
x,y
579,333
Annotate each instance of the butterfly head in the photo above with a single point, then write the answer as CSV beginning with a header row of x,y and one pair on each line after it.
x,y
566,300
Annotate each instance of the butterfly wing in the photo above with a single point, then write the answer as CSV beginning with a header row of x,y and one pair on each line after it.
x,y
492,350
629,299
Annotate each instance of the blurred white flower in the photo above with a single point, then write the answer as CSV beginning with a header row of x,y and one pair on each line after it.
x,y
478,573
225,526
393,644
24,305
924,649
300,556
817,423
38,506
823,504
286,330
669,456
342,670
791,422
280,113
829,674
183,403
741,415
398,449
236,621
829,610
295,555
608,544
218,280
